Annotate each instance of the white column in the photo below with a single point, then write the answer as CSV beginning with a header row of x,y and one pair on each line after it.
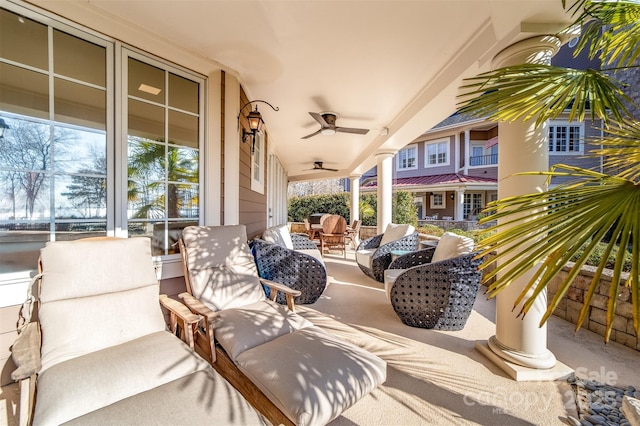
x,y
385,188
231,151
523,147
467,154
459,209
355,197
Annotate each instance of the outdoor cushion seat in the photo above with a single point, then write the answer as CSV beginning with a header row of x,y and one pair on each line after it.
x,y
316,375
374,254
294,372
290,259
100,344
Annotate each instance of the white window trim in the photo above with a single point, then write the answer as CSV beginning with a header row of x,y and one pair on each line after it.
x,y
257,185
566,123
426,153
437,206
407,149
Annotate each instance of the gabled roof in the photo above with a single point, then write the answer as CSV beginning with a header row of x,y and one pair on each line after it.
x,y
447,179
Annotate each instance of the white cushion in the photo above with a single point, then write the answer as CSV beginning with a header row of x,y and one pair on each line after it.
x,y
364,256
452,245
395,232
252,325
87,383
316,377
96,294
222,270
278,235
390,276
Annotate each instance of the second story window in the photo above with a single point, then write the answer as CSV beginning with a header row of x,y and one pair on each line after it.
x,y
437,153
565,138
407,158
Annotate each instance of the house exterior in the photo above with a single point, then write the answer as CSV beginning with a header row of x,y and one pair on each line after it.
x,y
452,169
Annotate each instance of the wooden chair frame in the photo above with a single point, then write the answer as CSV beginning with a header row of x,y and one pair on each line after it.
x,y
205,345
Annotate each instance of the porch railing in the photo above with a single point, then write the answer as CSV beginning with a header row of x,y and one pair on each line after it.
x,y
483,160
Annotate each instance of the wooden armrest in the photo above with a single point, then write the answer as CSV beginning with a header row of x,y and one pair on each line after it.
x,y
180,310
280,287
289,292
198,307
26,352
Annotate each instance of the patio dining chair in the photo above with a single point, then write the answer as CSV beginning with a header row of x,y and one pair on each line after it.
x,y
353,234
291,370
98,351
332,235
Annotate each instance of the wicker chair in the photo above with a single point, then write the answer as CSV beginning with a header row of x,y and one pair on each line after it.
x,y
381,258
437,295
297,269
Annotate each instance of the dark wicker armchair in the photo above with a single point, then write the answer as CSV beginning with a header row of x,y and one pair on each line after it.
x,y
295,269
437,295
381,258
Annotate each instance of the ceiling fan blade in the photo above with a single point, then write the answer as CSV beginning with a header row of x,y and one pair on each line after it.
x,y
329,170
352,130
312,134
320,119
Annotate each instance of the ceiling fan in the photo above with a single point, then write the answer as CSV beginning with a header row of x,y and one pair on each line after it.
x,y
317,165
328,126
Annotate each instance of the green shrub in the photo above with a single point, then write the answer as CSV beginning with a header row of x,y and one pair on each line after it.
x,y
598,253
300,208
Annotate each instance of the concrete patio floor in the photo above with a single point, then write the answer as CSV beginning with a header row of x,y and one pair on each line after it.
x,y
438,377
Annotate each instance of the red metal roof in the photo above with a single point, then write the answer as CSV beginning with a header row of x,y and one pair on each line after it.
x,y
435,180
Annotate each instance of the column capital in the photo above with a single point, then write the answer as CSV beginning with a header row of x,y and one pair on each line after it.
x,y
358,176
386,153
534,50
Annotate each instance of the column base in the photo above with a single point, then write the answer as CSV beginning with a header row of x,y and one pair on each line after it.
x,y
558,371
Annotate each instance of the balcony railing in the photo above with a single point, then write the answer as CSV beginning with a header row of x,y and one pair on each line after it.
x,y
484,160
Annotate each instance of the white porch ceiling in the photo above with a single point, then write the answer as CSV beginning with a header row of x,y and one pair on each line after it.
x,y
379,64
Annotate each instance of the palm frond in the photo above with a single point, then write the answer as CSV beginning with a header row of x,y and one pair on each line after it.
x,y
525,91
545,230
611,31
620,149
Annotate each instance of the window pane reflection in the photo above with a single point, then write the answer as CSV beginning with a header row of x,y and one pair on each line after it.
x,y
80,105
79,59
183,93
145,81
80,196
183,165
23,40
24,92
183,129
182,201
146,121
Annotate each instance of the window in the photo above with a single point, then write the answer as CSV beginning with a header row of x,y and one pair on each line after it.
x,y
407,158
257,164
64,173
472,204
162,151
438,200
54,174
565,138
437,153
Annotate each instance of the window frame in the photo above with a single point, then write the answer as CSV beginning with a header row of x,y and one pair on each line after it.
x,y
567,125
447,152
406,150
257,185
432,200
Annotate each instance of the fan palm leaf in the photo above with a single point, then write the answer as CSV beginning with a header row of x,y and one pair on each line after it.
x,y
549,228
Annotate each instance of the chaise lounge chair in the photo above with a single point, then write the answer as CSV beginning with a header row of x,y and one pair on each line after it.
x,y
291,370
104,355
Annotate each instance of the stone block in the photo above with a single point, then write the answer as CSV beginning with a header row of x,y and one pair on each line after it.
x,y
598,315
624,309
582,282
630,329
599,301
601,330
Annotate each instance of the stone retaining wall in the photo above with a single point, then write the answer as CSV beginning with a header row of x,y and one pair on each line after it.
x,y
570,306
